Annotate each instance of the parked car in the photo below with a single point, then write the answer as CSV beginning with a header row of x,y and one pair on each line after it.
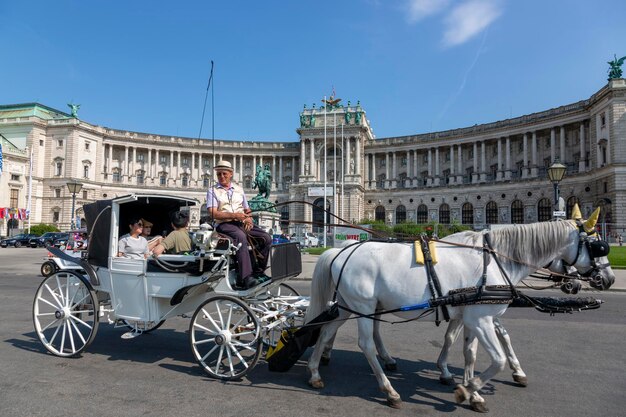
x,y
17,240
47,239
61,240
307,240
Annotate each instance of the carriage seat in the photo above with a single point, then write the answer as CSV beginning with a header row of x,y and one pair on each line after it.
x,y
189,264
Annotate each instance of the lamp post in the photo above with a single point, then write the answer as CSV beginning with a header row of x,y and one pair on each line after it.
x,y
74,187
556,172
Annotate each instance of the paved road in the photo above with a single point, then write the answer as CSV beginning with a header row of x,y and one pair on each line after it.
x,y
575,365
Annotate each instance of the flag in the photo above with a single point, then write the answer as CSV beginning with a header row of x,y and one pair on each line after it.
x,y
0,158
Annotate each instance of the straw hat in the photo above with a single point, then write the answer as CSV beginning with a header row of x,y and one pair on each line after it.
x,y
224,165
146,223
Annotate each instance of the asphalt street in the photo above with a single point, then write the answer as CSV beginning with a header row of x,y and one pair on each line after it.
x,y
575,364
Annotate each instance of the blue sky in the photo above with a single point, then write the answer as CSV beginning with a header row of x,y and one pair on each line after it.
x,y
415,65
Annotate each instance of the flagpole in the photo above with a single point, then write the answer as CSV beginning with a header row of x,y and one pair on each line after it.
x,y
30,186
334,165
343,169
325,171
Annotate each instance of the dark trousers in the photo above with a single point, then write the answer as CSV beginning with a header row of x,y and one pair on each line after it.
x,y
235,231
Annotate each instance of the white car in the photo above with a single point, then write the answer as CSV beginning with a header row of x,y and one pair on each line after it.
x,y
309,240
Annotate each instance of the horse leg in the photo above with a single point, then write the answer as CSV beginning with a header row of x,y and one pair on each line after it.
x,y
470,348
327,335
389,362
483,328
452,333
505,340
325,359
368,346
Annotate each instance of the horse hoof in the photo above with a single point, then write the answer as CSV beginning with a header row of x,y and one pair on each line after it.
x,y
461,394
392,366
521,380
449,381
394,402
317,384
479,406
324,360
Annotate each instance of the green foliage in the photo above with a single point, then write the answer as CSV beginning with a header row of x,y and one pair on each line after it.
x,y
617,257
40,229
410,230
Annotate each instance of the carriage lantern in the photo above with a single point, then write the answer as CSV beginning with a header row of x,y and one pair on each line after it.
x,y
556,172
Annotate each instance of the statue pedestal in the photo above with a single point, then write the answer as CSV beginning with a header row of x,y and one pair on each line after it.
x,y
270,222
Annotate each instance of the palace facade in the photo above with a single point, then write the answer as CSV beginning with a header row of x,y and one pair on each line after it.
x,y
494,173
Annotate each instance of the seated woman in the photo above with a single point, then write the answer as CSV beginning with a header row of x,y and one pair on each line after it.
x,y
133,245
146,232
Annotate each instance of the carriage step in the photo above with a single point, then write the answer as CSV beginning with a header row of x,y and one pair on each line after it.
x,y
131,335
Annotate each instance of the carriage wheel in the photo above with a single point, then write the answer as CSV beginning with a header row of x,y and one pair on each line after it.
x,y
225,337
48,268
143,326
65,314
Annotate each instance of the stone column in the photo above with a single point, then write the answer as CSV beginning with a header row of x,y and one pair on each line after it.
x,y
374,178
357,163
157,163
499,170
475,175
552,144
192,174
294,173
387,173
125,167
430,167
581,163
507,151
525,156
408,169
366,172
279,180
132,162
200,168
534,171
275,180
483,162
452,178
241,169
302,157
312,171
105,163
171,169
149,169
459,174
394,172
437,171
562,145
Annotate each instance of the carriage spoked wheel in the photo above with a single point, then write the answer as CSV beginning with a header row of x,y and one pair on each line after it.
x,y
48,268
225,337
65,313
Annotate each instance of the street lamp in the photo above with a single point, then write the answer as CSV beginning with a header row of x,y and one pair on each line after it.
x,y
556,172
74,187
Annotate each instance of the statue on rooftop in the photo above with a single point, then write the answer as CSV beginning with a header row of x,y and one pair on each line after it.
x,y
615,70
74,108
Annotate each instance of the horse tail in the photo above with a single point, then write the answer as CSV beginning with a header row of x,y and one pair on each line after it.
x,y
322,287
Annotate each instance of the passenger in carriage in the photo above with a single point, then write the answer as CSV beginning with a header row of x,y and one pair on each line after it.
x,y
178,241
153,241
227,205
133,245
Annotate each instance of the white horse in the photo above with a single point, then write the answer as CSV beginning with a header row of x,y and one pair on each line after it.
x,y
385,275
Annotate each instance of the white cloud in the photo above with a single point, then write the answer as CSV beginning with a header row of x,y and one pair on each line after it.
x,y
419,9
468,19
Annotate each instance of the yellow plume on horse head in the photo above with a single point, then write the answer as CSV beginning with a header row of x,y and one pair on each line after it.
x,y
590,223
576,214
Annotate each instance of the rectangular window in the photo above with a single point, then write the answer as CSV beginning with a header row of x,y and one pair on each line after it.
x,y
403,162
185,161
162,180
60,143
163,159
140,157
86,171
205,182
140,178
185,180
288,165
40,142
59,169
247,164
57,192
15,177
205,163
15,196
86,146
85,194
116,176
55,217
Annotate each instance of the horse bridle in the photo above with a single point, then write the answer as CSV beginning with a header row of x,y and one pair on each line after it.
x,y
596,248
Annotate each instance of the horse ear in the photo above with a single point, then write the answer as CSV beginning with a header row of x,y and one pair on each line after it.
x,y
576,214
590,224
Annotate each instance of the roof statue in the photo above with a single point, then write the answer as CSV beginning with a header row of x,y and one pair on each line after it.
x,y
615,70
74,108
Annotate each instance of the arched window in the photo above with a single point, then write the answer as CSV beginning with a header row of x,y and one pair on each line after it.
x,y
284,217
492,212
517,212
380,213
444,214
544,210
570,206
318,215
422,213
467,213
400,214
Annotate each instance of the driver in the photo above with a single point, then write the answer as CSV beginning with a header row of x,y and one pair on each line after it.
x,y
229,209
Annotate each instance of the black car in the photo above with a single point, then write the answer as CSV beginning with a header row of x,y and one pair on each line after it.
x,y
47,239
61,240
17,240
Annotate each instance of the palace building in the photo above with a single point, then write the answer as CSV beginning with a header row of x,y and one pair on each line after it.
x,y
494,173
